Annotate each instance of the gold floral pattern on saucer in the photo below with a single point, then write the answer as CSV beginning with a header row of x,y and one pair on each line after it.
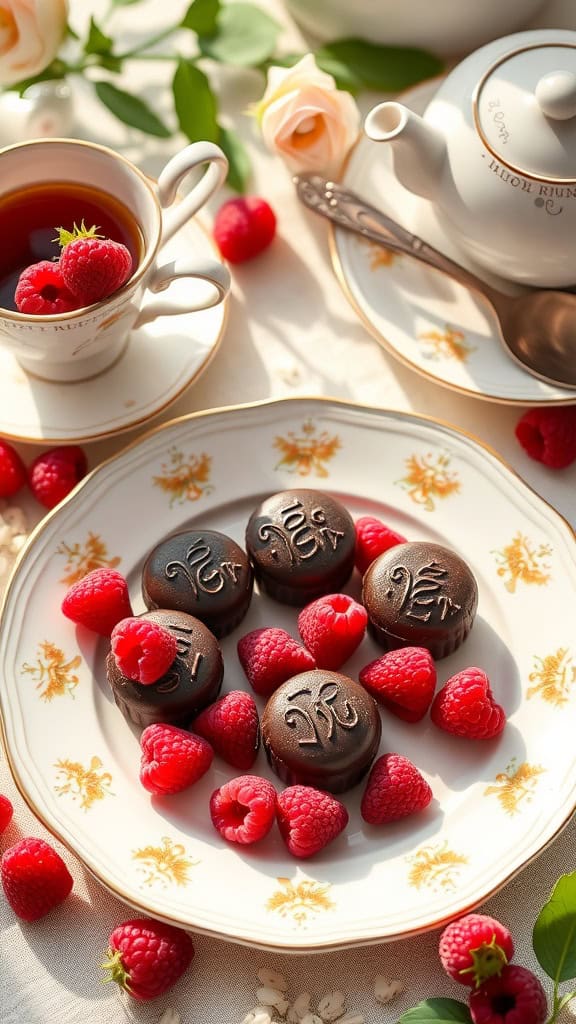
x,y
307,452
84,557
167,864
514,787
554,677
523,561
300,899
428,477
184,477
86,784
436,866
53,671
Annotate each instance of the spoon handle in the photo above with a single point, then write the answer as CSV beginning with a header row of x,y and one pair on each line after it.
x,y
348,210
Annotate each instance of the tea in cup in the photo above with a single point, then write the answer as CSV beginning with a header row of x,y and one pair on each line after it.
x,y
51,183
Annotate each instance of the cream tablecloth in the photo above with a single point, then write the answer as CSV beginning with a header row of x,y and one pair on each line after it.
x,y
290,332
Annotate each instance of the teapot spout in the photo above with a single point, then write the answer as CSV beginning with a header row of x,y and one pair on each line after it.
x,y
418,149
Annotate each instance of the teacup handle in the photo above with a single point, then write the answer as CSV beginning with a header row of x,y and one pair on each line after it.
x,y
203,268
175,215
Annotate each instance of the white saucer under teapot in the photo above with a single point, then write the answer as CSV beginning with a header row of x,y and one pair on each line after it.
x,y
495,152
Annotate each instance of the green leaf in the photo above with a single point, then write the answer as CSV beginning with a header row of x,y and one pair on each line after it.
x,y
246,36
202,17
97,41
439,1011
195,103
239,170
131,110
369,66
554,935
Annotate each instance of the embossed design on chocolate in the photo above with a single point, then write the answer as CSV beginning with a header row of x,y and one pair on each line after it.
x,y
422,593
302,535
323,708
322,729
198,569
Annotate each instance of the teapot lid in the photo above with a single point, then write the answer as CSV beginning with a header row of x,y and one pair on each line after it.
x,y
525,111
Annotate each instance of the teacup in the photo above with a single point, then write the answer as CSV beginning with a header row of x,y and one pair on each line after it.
x,y
76,345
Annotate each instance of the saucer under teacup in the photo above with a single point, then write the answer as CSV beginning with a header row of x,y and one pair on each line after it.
x,y
426,320
157,363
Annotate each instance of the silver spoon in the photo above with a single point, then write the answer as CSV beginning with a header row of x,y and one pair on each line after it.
x,y
537,328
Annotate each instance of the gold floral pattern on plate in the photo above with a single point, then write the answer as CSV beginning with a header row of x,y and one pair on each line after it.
x,y
185,477
428,478
308,452
522,561
86,784
83,558
435,867
168,864
554,676
447,344
378,255
515,786
54,674
300,900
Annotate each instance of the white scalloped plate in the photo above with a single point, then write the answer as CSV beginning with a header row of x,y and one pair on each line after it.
x,y
429,322
497,804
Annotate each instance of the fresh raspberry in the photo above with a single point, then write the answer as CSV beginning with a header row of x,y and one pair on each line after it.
x,y
34,878
143,650
332,627
93,267
243,228
98,601
232,726
13,474
395,789
270,656
372,538
309,819
41,291
514,997
54,473
474,948
6,812
403,681
147,957
548,435
465,706
172,759
243,810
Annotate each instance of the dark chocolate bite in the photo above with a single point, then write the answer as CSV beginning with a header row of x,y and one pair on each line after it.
x,y
301,544
192,681
201,572
420,595
321,729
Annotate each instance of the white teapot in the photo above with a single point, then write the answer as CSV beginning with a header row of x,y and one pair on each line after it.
x,y
495,152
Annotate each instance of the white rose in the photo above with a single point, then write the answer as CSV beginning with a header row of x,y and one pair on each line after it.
x,y
306,119
31,32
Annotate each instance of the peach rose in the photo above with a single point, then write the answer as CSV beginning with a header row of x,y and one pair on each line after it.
x,y
31,32
306,119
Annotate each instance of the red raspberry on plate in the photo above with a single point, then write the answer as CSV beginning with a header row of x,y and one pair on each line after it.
x,y
243,228
92,267
403,681
474,948
395,789
146,957
34,878
172,759
514,997
309,819
270,656
41,291
548,435
54,473
332,627
98,601
372,538
6,812
143,650
465,706
232,726
243,810
13,474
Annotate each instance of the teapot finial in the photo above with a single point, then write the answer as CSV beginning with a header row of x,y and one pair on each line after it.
x,y
556,95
